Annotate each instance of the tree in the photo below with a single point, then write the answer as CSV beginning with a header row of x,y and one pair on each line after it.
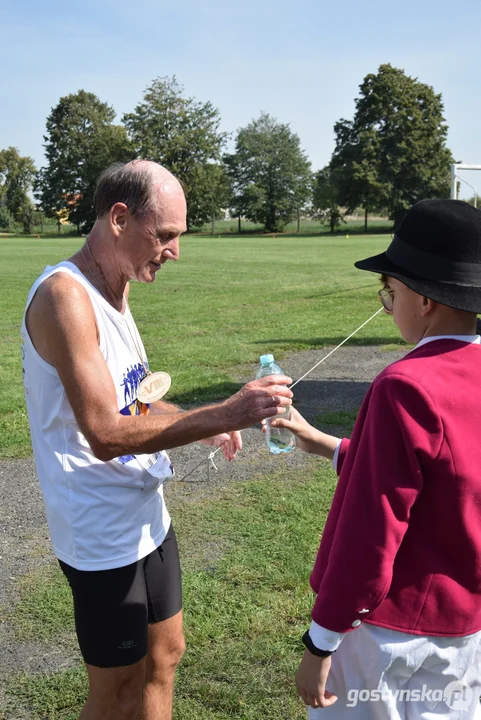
x,y
5,218
214,179
182,134
17,175
393,153
26,216
356,168
270,174
325,199
81,141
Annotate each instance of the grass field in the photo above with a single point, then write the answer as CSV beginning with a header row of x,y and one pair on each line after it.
x,y
246,606
225,302
246,550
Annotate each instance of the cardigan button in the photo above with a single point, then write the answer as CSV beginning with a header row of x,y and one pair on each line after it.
x,y
356,623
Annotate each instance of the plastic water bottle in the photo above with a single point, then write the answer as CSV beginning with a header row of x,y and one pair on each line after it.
x,y
278,440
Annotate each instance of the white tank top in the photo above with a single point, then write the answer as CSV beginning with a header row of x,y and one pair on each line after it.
x,y
101,515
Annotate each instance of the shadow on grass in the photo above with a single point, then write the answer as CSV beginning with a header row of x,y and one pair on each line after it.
x,y
336,401
333,340
374,287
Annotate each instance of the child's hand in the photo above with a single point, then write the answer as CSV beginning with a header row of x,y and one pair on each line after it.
x,y
311,680
298,426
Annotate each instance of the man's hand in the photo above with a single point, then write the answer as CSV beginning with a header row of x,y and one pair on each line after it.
x,y
258,399
311,679
229,442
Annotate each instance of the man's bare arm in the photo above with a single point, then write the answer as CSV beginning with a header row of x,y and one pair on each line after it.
x,y
61,323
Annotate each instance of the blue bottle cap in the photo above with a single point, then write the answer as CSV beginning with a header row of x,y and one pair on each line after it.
x,y
266,359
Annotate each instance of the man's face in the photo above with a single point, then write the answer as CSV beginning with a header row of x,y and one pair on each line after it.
x,y
154,239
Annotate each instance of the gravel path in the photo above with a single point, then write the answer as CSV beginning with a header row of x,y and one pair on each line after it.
x,y
339,384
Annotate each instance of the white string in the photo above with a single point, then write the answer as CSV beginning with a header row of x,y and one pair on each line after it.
x,y
211,456
337,347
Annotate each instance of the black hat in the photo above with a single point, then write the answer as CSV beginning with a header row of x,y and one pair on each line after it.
x,y
436,252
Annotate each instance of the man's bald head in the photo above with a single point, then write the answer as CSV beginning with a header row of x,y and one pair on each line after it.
x,y
138,184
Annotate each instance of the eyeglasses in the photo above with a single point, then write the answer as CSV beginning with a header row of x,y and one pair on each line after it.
x,y
386,296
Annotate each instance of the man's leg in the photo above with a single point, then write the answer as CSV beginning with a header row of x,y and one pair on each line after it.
x,y
166,647
111,620
114,693
165,639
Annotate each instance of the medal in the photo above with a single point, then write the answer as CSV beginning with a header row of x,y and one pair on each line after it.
x,y
153,387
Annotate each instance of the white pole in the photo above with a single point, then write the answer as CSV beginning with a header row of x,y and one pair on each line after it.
x,y
454,190
455,167
472,188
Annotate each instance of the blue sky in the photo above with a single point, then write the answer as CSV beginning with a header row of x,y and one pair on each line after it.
x,y
302,61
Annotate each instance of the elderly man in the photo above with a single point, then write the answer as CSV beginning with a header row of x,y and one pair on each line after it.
x,y
99,437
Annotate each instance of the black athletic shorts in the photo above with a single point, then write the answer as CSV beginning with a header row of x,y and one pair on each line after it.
x,y
113,608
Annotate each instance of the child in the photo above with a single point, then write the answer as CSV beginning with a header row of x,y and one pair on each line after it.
x,y
396,625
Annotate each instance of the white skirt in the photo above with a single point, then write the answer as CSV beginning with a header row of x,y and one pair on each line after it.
x,y
381,674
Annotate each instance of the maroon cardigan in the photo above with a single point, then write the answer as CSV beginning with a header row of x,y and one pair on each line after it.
x,y
403,536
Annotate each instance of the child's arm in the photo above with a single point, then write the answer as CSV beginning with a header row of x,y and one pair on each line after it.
x,y
307,437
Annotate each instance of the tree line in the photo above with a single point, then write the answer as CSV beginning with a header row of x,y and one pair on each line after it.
x,y
390,155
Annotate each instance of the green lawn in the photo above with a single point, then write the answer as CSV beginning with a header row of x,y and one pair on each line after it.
x,y
227,301
246,554
247,550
